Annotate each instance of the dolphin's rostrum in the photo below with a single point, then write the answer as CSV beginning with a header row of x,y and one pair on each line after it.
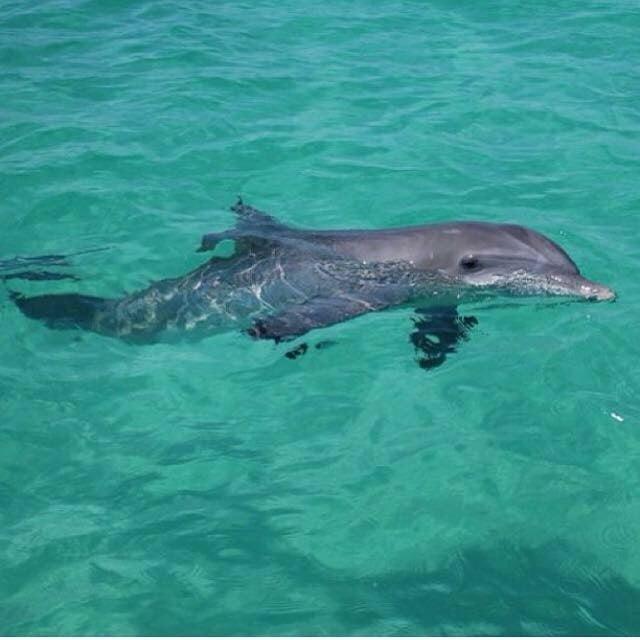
x,y
281,282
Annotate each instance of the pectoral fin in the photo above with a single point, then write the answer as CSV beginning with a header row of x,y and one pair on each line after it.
x,y
437,333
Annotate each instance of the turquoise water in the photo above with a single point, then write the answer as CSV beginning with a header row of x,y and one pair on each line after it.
x,y
216,487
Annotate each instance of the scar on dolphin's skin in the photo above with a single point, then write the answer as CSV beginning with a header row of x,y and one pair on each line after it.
x,y
281,282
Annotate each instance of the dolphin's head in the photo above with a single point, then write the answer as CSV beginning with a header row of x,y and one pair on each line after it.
x,y
509,258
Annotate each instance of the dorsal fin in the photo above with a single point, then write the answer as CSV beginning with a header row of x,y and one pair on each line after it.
x,y
248,215
252,225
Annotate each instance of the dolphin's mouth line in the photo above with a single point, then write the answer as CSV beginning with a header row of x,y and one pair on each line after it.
x,y
523,283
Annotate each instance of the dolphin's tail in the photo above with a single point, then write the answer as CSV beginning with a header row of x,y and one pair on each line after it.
x,y
61,310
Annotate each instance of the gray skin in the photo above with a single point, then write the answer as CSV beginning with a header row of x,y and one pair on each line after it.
x,y
281,282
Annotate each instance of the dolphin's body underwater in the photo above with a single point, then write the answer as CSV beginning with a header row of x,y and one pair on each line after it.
x,y
282,282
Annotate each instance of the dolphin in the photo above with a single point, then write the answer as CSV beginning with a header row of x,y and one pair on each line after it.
x,y
281,282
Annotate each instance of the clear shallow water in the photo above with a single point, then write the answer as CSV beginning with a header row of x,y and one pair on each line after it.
x,y
216,487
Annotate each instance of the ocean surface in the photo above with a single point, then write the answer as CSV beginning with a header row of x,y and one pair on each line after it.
x,y
217,487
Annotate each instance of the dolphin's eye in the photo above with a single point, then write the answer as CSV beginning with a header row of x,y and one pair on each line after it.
x,y
468,263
